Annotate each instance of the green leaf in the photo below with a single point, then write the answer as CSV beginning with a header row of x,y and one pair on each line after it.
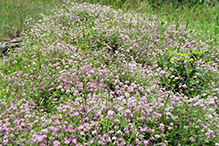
x,y
188,54
190,70
209,62
131,136
195,51
169,51
198,74
191,60
179,54
172,60
80,137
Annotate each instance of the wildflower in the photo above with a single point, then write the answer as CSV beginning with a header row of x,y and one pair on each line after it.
x,y
76,93
56,143
192,139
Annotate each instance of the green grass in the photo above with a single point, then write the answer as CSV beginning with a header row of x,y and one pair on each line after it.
x,y
202,17
14,12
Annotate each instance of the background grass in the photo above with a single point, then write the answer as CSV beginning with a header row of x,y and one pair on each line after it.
x,y
201,15
14,12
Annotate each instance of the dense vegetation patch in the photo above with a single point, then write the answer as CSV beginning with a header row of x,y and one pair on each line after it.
x,y
89,74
